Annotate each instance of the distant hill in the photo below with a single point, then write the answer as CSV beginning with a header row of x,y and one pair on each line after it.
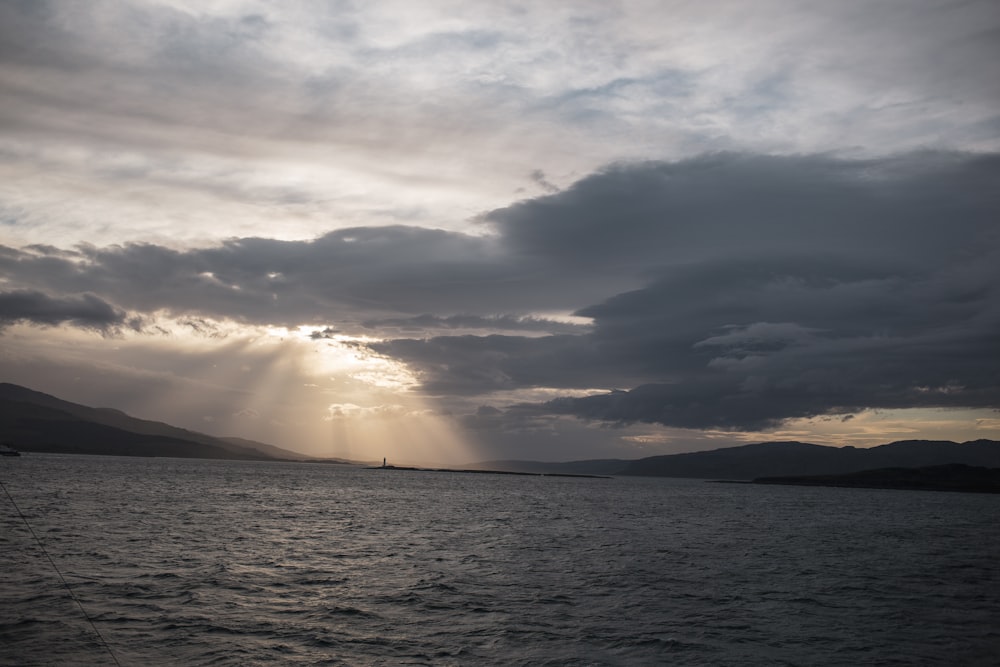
x,y
773,459
949,477
782,459
35,422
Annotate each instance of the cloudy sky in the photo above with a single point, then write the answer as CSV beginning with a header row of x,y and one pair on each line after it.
x,y
456,231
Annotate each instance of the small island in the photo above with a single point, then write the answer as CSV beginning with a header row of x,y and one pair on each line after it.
x,y
950,477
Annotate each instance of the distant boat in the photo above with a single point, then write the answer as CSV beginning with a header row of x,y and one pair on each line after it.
x,y
7,450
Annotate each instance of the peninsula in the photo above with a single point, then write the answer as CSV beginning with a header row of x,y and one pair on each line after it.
x,y
950,477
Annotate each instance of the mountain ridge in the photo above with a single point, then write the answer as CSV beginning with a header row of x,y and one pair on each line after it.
x,y
36,421
948,477
777,459
785,458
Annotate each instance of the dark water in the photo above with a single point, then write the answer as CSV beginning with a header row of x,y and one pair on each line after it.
x,y
216,563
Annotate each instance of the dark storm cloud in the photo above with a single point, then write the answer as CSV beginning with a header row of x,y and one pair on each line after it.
x,y
725,205
345,277
729,291
809,343
755,376
428,322
777,288
82,310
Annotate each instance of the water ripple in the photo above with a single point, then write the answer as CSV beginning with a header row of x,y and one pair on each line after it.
x,y
221,563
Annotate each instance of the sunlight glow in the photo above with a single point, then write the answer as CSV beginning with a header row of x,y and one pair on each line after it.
x,y
348,355
373,413
328,396
403,435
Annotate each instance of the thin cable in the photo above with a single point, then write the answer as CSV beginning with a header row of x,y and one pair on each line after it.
x,y
61,578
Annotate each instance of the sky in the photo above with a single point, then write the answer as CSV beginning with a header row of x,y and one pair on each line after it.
x,y
464,231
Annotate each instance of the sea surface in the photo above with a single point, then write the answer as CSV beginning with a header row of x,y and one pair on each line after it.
x,y
188,562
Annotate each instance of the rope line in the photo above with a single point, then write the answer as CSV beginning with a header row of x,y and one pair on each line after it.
x,y
61,578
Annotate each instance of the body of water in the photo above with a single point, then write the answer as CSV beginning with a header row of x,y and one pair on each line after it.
x,y
187,562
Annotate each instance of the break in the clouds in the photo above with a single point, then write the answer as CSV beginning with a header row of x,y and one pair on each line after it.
x,y
526,222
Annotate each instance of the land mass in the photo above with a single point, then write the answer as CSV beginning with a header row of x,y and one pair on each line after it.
x,y
950,477
773,459
33,421
778,459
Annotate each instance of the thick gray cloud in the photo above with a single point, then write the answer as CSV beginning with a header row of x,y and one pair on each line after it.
x,y
471,323
350,277
83,310
884,212
776,288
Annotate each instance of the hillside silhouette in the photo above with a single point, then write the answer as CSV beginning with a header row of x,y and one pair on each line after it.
x,y
36,422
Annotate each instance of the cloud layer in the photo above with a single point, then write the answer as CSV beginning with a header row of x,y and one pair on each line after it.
x,y
726,291
776,288
192,121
